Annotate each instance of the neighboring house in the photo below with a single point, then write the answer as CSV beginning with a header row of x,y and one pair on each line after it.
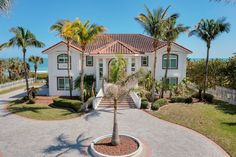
x,y
136,48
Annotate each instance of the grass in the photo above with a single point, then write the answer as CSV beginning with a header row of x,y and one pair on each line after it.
x,y
5,91
218,121
41,111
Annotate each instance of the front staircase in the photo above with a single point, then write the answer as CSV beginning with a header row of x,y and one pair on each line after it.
x,y
126,102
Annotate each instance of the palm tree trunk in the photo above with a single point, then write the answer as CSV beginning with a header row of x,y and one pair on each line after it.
x,y
166,70
68,68
115,134
206,71
155,44
25,71
82,78
35,72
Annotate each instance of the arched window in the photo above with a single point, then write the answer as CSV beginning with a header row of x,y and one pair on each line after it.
x,y
173,61
62,61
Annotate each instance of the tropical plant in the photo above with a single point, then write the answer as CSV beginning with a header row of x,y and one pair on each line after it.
x,y
152,22
84,34
23,38
209,30
5,5
36,60
170,34
118,88
89,86
64,29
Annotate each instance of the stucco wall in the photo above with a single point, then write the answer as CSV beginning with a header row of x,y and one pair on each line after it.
x,y
75,70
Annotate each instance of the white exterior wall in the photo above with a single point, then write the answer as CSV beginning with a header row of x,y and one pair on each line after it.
x,y
54,72
94,70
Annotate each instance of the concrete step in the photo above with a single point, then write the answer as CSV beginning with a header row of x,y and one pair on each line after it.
x,y
126,102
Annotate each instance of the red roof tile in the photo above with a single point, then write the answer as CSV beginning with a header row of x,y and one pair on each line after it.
x,y
122,44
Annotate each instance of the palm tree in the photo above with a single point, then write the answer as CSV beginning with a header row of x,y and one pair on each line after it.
x,y
152,22
36,60
208,30
23,38
85,34
170,34
117,88
63,27
5,5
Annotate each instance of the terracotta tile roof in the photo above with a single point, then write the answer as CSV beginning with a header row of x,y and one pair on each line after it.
x,y
121,43
134,43
116,47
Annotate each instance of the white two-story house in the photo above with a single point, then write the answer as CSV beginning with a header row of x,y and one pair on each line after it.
x,y
137,49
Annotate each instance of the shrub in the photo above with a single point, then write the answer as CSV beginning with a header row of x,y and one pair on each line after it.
x,y
189,100
159,103
155,106
42,76
209,98
31,101
144,104
162,102
75,105
144,99
179,99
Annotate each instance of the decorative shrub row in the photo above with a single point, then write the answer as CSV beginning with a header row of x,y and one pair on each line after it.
x,y
179,99
159,103
208,97
75,105
144,103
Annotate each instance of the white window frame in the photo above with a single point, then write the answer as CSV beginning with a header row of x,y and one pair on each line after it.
x,y
65,88
144,58
100,70
172,57
89,61
133,64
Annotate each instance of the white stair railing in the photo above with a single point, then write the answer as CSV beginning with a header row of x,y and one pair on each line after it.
x,y
98,99
136,99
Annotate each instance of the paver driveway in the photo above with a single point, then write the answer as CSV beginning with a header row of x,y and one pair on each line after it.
x,y
21,137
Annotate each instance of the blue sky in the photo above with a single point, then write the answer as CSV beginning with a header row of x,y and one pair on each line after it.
x,y
118,17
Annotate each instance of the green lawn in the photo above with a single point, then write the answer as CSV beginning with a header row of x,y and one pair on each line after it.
x,y
218,122
41,112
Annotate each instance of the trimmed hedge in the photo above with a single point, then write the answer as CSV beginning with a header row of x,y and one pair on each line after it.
x,y
159,103
208,97
144,103
75,105
179,99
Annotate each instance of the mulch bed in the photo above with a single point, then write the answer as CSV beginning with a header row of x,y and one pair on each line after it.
x,y
47,100
127,146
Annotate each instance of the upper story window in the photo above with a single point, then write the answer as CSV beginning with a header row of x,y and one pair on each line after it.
x,y
62,61
100,68
173,61
133,64
144,60
89,60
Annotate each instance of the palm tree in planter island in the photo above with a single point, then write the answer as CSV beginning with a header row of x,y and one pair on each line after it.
x,y
36,60
23,38
170,35
84,34
153,24
119,86
209,30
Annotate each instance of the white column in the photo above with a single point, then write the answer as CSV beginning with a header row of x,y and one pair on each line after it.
x,y
104,67
97,72
129,65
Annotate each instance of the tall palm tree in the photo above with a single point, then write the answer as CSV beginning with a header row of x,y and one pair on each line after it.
x,y
209,30
23,38
170,34
63,27
5,5
36,60
152,22
84,34
117,88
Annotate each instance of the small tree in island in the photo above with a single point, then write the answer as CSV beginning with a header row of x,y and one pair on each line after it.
x,y
120,85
